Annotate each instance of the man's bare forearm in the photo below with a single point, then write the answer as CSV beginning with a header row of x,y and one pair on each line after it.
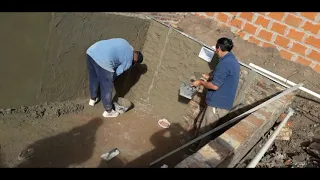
x,y
209,85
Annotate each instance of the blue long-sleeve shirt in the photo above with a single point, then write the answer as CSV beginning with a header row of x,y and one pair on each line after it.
x,y
114,55
226,77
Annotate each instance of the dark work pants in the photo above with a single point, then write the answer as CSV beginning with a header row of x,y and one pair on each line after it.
x,y
100,78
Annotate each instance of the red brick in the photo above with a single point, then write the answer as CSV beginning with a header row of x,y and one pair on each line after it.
x,y
299,48
265,35
222,17
236,135
288,97
276,15
279,28
268,45
282,41
254,40
281,117
200,15
254,120
310,15
314,28
314,55
296,35
223,25
293,20
262,13
264,22
236,22
209,14
303,61
250,28
286,54
264,113
313,41
317,68
244,128
234,13
241,34
246,15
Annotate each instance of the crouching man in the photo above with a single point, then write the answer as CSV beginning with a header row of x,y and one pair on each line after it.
x,y
221,85
107,59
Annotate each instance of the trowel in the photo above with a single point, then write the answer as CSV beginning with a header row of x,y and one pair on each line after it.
x,y
186,90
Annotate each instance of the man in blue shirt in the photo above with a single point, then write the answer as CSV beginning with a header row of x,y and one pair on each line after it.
x,y
106,60
221,85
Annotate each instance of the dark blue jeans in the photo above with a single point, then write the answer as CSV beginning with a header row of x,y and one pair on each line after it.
x,y
100,78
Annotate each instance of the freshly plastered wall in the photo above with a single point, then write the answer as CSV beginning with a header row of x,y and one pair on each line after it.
x,y
170,58
43,55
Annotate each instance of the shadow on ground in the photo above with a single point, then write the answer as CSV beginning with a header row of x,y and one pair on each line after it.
x,y
164,144
234,113
163,141
167,140
128,79
65,149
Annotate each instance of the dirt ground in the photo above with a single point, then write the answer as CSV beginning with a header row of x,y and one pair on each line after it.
x,y
73,134
305,124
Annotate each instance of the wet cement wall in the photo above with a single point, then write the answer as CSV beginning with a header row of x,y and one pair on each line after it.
x,y
43,54
170,58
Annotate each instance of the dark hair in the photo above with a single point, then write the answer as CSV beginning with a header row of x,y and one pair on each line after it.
x,y
140,57
225,44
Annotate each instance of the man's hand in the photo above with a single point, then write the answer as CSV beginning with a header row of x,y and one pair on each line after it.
x,y
207,85
206,76
196,83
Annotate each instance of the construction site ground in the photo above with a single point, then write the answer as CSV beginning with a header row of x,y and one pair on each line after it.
x,y
74,134
305,124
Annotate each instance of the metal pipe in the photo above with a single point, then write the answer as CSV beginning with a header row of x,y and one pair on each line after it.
x,y
269,142
284,80
271,78
285,92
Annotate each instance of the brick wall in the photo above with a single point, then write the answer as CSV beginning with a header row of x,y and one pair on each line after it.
x,y
295,35
231,146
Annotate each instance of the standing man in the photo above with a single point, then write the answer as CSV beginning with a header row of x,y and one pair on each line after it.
x,y
106,60
221,85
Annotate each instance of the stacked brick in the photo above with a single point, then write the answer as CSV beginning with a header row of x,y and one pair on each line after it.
x,y
295,35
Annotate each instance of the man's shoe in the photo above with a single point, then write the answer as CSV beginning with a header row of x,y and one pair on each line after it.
x,y
113,113
93,102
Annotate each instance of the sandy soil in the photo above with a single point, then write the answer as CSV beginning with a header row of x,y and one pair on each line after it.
x,y
73,134
306,122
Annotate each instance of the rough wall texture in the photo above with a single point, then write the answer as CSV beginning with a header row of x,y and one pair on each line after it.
x,y
23,40
44,53
170,58
171,18
295,35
